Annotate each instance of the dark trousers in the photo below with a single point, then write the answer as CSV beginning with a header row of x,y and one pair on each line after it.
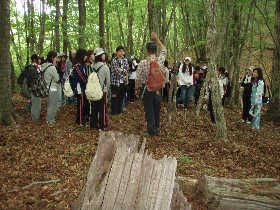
x,y
210,109
98,117
152,111
246,108
131,90
117,98
82,109
165,92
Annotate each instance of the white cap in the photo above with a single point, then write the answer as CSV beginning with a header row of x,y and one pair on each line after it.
x,y
61,54
204,67
188,58
98,51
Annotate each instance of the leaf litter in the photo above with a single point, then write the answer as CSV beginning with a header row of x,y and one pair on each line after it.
x,y
33,152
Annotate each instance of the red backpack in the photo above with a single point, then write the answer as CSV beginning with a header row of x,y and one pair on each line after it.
x,y
156,79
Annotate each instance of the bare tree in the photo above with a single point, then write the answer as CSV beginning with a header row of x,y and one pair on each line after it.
x,y
57,36
101,24
64,25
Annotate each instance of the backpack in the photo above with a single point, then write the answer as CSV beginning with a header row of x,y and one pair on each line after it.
x,y
156,79
37,83
94,91
265,100
67,88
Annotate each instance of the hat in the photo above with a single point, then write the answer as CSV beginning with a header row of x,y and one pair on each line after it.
x,y
187,58
152,46
98,51
204,68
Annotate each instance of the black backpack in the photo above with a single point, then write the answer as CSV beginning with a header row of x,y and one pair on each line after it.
x,y
37,83
23,75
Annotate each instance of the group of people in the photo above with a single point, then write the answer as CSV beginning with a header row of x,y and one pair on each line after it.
x,y
124,79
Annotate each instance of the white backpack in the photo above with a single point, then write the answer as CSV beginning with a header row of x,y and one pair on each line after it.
x,y
94,90
67,90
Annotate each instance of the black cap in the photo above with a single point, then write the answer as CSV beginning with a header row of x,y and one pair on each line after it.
x,y
151,46
34,57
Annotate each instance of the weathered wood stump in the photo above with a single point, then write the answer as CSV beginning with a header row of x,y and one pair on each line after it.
x,y
122,178
233,194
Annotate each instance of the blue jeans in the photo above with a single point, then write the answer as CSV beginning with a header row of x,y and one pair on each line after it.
x,y
185,96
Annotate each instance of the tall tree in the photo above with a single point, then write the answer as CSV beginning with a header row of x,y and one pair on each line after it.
x,y
101,24
82,23
130,15
65,26
274,108
56,29
31,26
6,115
42,27
26,28
212,50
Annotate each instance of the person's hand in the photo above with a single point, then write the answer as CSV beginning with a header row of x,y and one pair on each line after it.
x,y
154,36
136,92
120,70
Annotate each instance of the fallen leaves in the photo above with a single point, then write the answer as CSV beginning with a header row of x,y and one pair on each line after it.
x,y
33,151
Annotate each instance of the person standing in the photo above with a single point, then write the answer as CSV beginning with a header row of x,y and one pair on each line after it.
x,y
119,72
246,83
185,80
70,62
98,118
257,97
79,83
132,75
151,99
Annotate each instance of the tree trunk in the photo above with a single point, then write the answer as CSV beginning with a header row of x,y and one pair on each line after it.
x,y
130,15
42,29
31,26
82,23
6,115
13,77
27,37
120,177
57,15
65,26
17,51
241,194
121,40
213,49
274,108
108,39
101,24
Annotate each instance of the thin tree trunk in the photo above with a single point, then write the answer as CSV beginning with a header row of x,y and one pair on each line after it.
x,y
274,108
82,23
18,55
121,28
108,41
31,26
6,115
101,24
27,38
130,15
65,26
42,29
57,15
212,49
13,77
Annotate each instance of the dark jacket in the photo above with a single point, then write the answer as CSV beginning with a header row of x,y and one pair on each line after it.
x,y
79,76
247,84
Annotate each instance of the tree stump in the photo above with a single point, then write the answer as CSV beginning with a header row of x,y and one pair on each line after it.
x,y
241,194
122,178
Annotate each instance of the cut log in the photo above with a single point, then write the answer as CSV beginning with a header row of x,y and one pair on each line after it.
x,y
122,178
241,194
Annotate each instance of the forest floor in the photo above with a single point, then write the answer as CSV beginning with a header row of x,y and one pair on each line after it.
x,y
34,151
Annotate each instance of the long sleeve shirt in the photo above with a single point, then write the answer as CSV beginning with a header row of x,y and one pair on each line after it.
x,y
257,92
185,78
142,72
117,77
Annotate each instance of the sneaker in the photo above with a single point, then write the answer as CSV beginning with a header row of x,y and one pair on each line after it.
x,y
248,122
243,121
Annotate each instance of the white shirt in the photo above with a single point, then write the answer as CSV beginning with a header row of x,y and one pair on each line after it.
x,y
185,78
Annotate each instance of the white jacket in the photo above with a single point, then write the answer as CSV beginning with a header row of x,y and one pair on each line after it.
x,y
185,78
